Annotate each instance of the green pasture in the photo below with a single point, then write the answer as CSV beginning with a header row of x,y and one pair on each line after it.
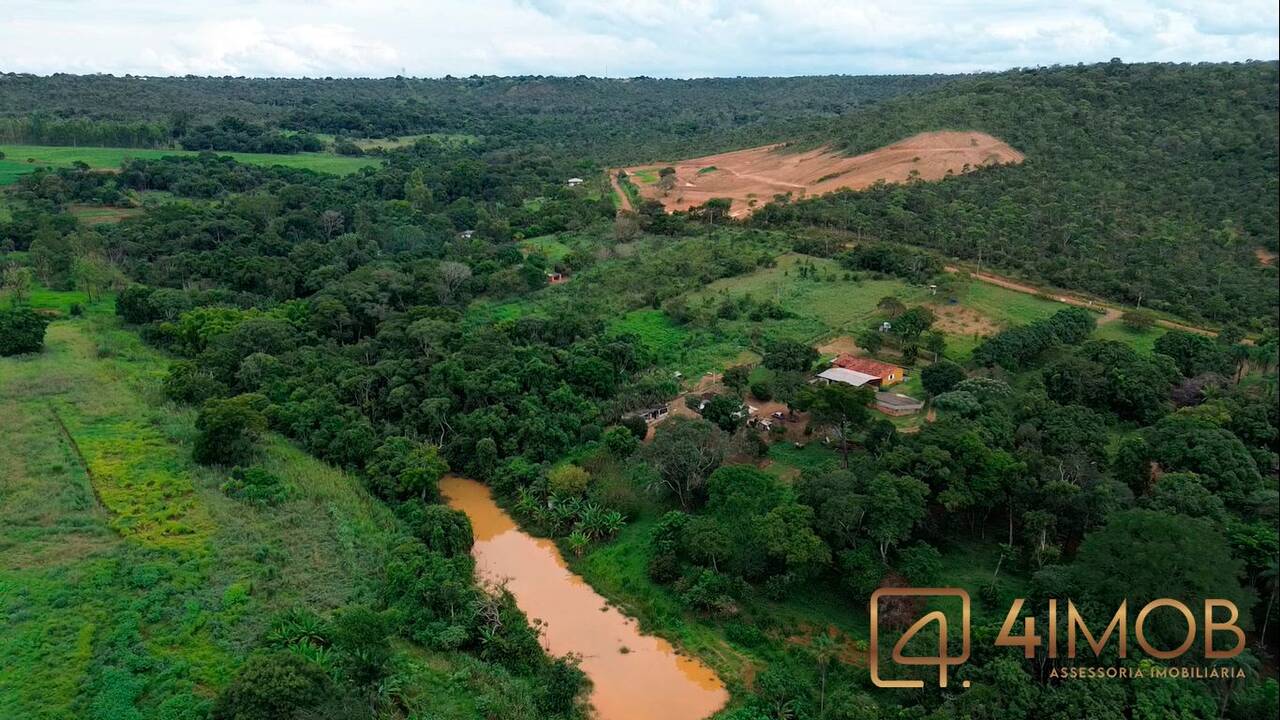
x,y
22,159
130,585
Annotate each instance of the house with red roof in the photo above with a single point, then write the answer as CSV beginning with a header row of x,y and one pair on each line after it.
x,y
880,374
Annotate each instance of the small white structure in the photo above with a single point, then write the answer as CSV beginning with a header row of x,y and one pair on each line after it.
x,y
848,377
886,326
574,182
466,234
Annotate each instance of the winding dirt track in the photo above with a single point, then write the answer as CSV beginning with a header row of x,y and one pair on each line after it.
x,y
1110,312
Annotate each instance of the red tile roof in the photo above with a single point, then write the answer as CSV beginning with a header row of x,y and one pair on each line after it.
x,y
864,365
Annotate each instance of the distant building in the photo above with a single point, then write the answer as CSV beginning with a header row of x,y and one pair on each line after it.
x,y
555,278
574,182
884,373
897,404
466,234
649,415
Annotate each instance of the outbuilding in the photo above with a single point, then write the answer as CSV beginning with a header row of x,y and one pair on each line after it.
x,y
891,403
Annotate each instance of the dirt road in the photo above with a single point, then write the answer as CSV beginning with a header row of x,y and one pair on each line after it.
x,y
624,199
1110,313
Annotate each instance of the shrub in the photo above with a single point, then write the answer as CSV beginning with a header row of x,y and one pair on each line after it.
x,y
1138,320
568,480
228,430
188,383
256,486
443,529
403,468
620,442
941,377
21,331
272,686
638,427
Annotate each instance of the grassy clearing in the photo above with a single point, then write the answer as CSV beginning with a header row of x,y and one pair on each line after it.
x,y
676,347
393,143
1005,307
831,303
130,585
548,245
22,159
98,214
1143,341
648,176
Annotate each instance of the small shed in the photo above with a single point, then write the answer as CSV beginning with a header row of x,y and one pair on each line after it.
x,y
891,403
555,278
574,181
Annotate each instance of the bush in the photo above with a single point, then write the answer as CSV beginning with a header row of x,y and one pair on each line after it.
x,y
1138,320
620,442
229,430
272,686
443,529
21,331
403,468
941,377
188,383
568,480
134,305
638,427
762,391
256,486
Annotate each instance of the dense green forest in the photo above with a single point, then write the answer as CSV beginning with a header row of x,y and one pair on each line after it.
x,y
1150,184
399,323
606,120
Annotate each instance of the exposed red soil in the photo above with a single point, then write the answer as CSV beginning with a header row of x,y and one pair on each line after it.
x,y
751,177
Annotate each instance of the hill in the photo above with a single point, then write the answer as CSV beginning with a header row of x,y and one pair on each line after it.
x,y
751,177
1149,184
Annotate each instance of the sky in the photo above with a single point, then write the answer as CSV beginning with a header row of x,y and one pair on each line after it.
x,y
618,38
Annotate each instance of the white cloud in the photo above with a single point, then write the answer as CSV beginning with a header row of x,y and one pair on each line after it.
x,y
675,38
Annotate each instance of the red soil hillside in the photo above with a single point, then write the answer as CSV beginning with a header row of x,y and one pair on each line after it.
x,y
753,176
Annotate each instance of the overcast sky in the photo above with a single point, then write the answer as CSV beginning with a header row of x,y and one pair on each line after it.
x,y
664,38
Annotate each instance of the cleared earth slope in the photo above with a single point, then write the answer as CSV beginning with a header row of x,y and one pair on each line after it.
x,y
751,177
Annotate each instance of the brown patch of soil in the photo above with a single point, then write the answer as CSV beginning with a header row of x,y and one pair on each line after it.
x,y
960,320
1265,256
847,650
841,345
760,173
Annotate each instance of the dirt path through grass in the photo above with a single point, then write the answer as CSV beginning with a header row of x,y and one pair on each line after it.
x,y
1110,313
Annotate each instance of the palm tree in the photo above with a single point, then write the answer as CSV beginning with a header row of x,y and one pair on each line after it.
x,y
1270,578
825,648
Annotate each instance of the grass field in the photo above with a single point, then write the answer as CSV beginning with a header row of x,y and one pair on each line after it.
x,y
98,214
548,245
678,348
647,176
22,159
130,585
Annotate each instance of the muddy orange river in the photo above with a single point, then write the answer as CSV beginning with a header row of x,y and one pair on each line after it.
x,y
634,676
